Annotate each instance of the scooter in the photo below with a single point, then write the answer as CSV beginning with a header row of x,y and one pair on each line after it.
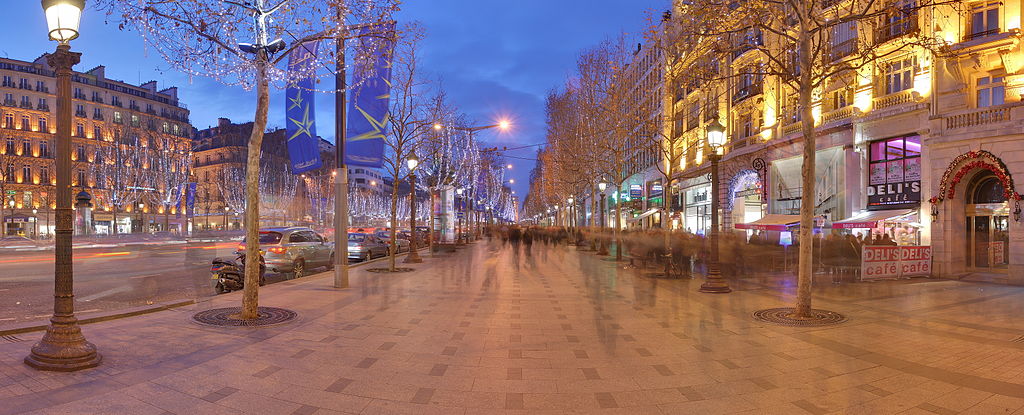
x,y
229,275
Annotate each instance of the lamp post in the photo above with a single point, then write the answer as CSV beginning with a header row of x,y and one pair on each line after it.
x,y
142,218
715,283
63,346
226,210
603,248
460,211
35,223
414,257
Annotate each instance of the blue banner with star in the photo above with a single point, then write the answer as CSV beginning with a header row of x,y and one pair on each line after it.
x,y
303,145
369,111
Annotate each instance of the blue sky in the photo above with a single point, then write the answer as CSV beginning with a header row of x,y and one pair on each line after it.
x,y
496,59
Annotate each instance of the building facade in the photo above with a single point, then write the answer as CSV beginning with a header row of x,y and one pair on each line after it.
x,y
130,147
920,143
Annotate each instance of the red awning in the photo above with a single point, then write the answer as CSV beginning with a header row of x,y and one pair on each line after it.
x,y
870,219
771,223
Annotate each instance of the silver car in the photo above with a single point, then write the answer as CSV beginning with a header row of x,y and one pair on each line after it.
x,y
294,250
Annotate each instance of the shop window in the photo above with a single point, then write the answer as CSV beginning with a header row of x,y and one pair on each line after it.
x,y
984,19
989,91
894,172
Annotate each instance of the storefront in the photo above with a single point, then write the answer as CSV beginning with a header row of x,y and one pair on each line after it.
x,y
19,225
787,194
745,200
697,211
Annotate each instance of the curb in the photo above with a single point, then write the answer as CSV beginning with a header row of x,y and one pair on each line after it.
x,y
98,319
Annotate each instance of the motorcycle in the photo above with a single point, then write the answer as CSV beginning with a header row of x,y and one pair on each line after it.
x,y
229,275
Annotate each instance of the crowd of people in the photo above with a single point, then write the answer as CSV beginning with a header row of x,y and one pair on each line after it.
x,y
686,253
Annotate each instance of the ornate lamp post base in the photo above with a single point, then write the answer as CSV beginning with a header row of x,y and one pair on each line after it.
x,y
715,285
63,348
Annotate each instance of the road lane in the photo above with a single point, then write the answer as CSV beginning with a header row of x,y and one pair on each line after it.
x,y
109,278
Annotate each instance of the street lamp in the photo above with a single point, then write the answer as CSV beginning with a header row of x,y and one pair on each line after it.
x,y
412,163
35,223
142,217
601,186
460,211
715,283
63,346
226,210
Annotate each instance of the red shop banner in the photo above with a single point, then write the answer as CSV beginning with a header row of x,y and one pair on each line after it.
x,y
886,262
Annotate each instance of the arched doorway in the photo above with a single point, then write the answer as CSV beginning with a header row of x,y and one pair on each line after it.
x,y
987,225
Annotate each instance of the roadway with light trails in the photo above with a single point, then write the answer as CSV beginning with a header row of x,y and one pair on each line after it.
x,y
109,278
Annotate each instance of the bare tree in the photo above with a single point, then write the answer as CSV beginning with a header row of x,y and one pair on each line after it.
x,y
245,43
408,123
170,173
118,170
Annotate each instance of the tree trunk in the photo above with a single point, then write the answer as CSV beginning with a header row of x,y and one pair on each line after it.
x,y
113,221
618,219
250,297
167,218
805,271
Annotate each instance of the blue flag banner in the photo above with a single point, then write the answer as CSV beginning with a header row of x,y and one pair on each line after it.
x,y
190,199
303,145
369,111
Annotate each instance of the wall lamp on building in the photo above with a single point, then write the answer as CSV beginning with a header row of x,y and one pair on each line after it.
x,y
1016,211
935,212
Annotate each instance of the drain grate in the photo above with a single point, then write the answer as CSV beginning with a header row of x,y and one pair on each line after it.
x,y
783,316
397,269
226,317
11,339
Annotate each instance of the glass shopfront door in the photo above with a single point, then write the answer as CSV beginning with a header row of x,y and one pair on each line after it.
x,y
987,226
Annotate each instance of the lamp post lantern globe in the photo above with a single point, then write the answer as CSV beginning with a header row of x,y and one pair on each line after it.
x,y
63,347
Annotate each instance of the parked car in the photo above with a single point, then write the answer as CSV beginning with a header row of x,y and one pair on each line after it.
x,y
365,246
403,244
294,250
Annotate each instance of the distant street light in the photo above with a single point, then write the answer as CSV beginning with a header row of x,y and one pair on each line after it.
x,y
414,257
715,283
601,186
63,346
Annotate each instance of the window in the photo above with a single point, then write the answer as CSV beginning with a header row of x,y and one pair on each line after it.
x,y
81,178
894,172
135,120
44,174
899,75
25,124
8,99
26,173
844,39
117,118
989,91
26,147
10,172
8,120
79,110
900,19
42,125
984,19
10,146
43,106
44,149
80,151
79,130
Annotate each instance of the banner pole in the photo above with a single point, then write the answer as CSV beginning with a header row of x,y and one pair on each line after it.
x,y
341,173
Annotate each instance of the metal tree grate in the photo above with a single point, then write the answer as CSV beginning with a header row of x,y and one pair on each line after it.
x,y
228,317
784,317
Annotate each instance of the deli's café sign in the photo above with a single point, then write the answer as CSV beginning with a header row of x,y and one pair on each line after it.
x,y
888,194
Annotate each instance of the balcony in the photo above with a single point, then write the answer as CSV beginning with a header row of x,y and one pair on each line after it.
x,y
902,97
843,49
747,91
45,108
896,27
97,99
134,108
10,103
80,114
737,142
80,96
98,117
25,105
978,117
116,103
8,84
45,90
841,114
981,34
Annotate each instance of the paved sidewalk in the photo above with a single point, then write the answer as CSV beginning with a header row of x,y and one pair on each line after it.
x,y
484,331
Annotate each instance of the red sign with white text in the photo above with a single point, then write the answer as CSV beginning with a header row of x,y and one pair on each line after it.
x,y
881,262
